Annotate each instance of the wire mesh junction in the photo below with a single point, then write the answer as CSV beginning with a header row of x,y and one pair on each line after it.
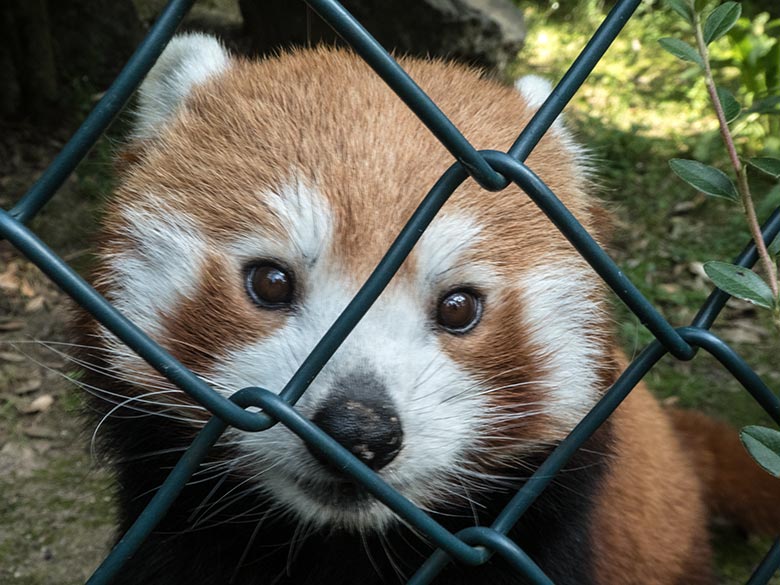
x,y
492,170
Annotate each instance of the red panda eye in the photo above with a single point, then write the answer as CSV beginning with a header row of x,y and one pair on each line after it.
x,y
459,311
269,285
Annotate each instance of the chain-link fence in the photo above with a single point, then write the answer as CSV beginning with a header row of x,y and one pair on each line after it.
x,y
493,170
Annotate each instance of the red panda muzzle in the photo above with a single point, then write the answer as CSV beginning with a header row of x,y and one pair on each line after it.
x,y
360,416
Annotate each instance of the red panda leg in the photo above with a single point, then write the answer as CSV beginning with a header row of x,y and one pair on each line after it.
x,y
650,520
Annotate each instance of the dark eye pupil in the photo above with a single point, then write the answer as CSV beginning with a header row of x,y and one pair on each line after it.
x,y
458,310
270,285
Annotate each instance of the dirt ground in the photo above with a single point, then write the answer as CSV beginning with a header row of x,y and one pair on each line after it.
x,y
56,507
56,511
56,517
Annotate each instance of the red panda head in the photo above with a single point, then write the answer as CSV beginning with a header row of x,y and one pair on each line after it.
x,y
258,198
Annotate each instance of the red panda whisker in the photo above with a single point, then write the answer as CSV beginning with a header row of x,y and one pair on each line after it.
x,y
232,495
246,550
392,556
127,403
370,556
88,366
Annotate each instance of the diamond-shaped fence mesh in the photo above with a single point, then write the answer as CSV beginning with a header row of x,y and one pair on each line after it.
x,y
493,170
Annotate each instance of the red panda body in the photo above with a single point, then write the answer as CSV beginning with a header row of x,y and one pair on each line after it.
x,y
254,200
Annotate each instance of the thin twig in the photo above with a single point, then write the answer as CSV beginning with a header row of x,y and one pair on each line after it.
x,y
742,183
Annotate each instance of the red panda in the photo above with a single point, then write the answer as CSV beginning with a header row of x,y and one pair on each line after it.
x,y
255,198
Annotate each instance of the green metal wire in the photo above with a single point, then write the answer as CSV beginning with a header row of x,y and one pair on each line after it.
x,y
491,169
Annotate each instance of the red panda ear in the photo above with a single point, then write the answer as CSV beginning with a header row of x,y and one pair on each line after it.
x,y
535,90
187,61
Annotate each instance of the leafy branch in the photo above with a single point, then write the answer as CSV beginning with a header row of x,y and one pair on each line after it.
x,y
762,443
735,280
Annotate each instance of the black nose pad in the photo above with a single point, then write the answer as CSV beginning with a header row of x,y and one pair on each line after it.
x,y
364,421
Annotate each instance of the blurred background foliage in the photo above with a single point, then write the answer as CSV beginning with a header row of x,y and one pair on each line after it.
x,y
641,107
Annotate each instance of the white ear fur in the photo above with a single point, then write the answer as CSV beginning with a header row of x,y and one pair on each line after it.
x,y
535,90
187,61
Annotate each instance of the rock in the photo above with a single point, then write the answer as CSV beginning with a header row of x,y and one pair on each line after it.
x,y
40,404
482,32
40,432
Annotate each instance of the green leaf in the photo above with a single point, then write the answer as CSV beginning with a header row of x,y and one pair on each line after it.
x,y
774,247
770,105
683,8
681,50
763,444
731,107
766,164
720,21
740,282
706,179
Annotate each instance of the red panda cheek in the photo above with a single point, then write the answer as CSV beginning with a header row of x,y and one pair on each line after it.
x,y
217,319
500,352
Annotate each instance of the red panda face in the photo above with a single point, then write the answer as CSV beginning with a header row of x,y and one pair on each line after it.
x,y
258,197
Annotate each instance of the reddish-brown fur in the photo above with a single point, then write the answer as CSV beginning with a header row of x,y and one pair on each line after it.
x,y
735,487
244,132
651,518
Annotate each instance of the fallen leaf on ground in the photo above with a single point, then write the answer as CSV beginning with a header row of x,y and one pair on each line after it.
x,y
27,387
26,289
35,304
8,279
40,404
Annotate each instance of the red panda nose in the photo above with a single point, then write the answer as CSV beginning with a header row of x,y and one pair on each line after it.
x,y
360,416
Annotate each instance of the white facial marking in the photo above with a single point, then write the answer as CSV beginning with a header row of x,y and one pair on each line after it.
x,y
560,314
302,227
439,404
161,266
443,254
159,262
187,61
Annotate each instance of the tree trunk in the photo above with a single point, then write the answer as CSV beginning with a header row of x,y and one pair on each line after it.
x,y
51,51
29,42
